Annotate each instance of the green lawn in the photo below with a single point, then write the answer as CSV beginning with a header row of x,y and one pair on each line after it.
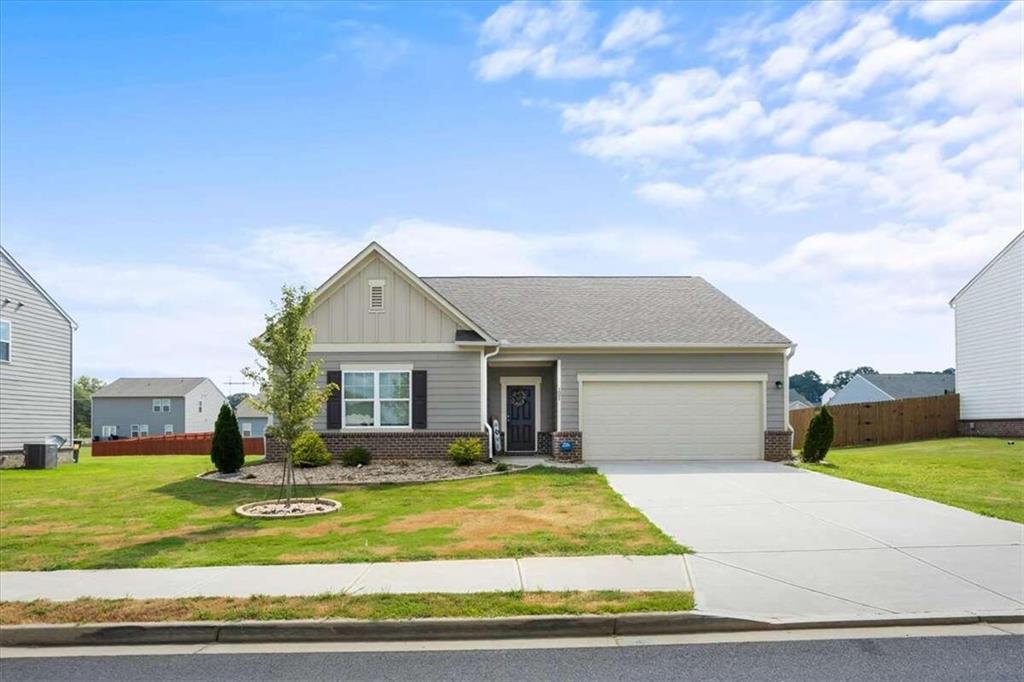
x,y
116,512
984,475
363,607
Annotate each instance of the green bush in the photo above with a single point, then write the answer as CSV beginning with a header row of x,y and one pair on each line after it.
x,y
227,452
466,451
819,436
353,457
501,466
309,450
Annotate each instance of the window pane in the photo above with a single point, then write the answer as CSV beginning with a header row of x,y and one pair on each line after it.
x,y
394,385
358,413
5,351
394,413
358,385
5,331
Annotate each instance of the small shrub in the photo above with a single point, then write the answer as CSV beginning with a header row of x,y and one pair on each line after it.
x,y
228,452
501,466
465,451
353,457
309,450
819,436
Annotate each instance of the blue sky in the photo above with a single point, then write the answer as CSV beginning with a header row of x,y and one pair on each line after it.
x,y
839,169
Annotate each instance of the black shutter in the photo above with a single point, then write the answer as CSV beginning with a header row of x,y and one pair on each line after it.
x,y
334,401
419,399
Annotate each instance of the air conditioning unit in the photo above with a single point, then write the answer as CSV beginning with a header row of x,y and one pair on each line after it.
x,y
40,455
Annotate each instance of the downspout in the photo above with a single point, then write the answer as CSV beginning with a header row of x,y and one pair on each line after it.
x,y
483,400
785,397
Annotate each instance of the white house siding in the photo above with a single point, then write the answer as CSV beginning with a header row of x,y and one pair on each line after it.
x,y
35,387
990,340
859,390
453,383
197,421
409,316
770,363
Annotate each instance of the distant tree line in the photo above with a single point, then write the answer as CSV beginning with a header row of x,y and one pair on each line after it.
x,y
810,385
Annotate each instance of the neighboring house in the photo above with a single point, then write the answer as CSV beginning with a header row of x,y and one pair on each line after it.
x,y
827,396
252,422
989,313
129,408
36,396
877,388
797,401
576,367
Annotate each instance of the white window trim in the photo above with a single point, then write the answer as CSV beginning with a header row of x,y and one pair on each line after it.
x,y
10,341
161,405
138,430
507,381
168,429
246,426
376,370
108,430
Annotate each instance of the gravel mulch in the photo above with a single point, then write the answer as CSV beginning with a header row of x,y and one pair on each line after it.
x,y
396,471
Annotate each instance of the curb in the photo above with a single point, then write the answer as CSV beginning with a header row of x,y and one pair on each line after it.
x,y
440,628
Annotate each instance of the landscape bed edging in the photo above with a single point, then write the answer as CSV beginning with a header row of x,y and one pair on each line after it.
x,y
441,628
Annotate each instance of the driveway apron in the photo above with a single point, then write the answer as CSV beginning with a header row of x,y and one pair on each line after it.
x,y
777,542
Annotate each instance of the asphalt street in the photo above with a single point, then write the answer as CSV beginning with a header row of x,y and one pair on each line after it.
x,y
976,658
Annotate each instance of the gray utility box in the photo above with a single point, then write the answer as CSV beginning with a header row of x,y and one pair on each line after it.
x,y
40,455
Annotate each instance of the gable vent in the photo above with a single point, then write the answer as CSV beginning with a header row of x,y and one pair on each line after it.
x,y
376,295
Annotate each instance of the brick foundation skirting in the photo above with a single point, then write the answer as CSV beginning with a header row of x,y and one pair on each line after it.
x,y
385,444
574,437
778,446
992,428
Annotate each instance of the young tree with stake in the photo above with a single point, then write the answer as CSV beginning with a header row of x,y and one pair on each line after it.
x,y
285,377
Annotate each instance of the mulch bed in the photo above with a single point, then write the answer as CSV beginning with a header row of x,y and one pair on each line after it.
x,y
391,471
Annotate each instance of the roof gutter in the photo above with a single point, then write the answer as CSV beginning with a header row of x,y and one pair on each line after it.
x,y
785,369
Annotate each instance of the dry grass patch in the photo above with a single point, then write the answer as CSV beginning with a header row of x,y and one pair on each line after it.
x,y
363,607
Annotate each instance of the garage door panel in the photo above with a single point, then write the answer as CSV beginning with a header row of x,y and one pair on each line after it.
x,y
672,419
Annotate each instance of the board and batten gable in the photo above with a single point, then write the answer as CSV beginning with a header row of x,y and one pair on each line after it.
x,y
35,385
772,364
989,315
202,404
342,314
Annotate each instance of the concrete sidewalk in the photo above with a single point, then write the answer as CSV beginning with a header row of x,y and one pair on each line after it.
x,y
625,573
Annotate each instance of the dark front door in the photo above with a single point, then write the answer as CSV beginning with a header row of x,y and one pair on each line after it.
x,y
520,419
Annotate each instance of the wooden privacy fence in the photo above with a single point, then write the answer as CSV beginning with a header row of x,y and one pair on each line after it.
x,y
893,421
177,444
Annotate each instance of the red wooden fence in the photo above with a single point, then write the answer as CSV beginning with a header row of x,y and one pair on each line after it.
x,y
176,444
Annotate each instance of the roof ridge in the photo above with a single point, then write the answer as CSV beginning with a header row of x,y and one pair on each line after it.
x,y
562,277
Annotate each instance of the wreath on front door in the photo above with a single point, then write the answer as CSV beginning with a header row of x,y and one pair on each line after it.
x,y
518,398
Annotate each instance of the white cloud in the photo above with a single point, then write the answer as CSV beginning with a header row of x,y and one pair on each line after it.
x,y
853,137
557,40
785,62
936,11
636,27
670,194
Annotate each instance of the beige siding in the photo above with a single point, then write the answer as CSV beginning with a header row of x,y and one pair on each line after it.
x,y
770,363
990,340
453,384
409,316
35,387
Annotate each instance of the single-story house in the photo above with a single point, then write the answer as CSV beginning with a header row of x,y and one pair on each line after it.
x,y
252,421
989,313
797,401
135,407
36,395
593,368
877,388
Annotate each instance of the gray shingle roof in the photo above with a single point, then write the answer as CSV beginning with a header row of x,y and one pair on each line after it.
x,y
246,408
152,387
605,310
916,385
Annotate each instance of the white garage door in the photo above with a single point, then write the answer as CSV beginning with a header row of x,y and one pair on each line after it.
x,y
672,419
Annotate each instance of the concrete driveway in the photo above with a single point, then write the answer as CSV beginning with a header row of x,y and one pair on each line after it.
x,y
778,542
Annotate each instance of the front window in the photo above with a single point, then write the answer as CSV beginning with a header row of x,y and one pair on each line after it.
x,y
378,398
161,404
5,341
